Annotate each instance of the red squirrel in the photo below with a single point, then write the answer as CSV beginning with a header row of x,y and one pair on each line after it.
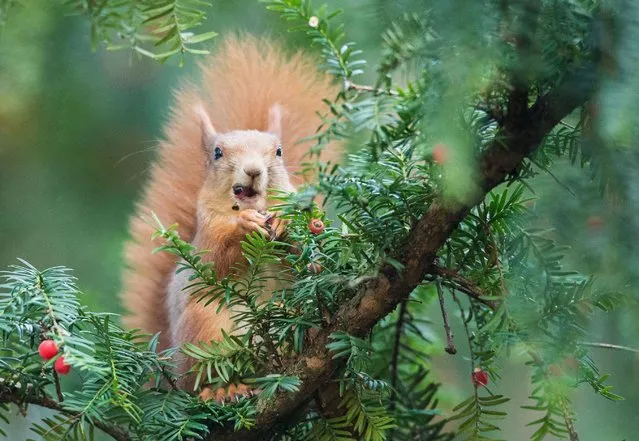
x,y
226,143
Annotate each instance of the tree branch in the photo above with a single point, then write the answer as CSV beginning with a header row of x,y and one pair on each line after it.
x,y
349,85
399,330
609,346
58,390
464,285
9,396
569,422
450,345
519,136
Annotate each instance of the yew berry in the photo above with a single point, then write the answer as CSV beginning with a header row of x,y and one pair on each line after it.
x,y
440,153
47,349
595,222
572,363
61,367
314,267
554,370
480,377
316,226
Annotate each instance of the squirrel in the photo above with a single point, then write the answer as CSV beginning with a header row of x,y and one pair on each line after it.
x,y
225,144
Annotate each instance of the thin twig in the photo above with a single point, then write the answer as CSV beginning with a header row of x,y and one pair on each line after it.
x,y
58,390
464,285
115,431
609,346
553,176
399,328
450,345
570,424
466,330
349,85
471,353
168,377
502,283
271,347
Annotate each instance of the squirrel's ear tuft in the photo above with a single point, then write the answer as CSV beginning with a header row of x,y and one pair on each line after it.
x,y
208,132
275,120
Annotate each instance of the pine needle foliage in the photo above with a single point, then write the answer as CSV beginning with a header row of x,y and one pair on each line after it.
x,y
5,8
436,88
158,29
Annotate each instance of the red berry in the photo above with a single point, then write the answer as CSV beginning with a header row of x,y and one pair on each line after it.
x,y
440,153
554,370
314,268
316,226
61,367
480,377
572,363
595,222
48,349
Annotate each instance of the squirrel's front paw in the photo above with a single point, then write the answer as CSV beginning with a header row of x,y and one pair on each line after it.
x,y
251,220
231,393
277,227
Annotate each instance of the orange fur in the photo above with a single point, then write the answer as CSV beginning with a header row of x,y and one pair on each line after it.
x,y
240,85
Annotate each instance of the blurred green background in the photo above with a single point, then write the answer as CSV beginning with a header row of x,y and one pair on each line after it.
x,y
77,134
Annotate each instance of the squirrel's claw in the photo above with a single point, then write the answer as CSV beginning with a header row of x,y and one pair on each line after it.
x,y
277,227
252,220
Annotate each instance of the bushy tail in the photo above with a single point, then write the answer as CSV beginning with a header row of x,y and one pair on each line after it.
x,y
239,84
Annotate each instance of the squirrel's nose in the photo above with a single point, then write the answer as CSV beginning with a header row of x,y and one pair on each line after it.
x,y
253,172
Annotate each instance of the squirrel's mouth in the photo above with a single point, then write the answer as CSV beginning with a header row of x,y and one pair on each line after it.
x,y
244,192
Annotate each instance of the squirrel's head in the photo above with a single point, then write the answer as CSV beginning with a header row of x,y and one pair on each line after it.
x,y
242,165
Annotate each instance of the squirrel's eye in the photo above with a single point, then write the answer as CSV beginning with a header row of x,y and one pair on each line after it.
x,y
278,152
217,153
